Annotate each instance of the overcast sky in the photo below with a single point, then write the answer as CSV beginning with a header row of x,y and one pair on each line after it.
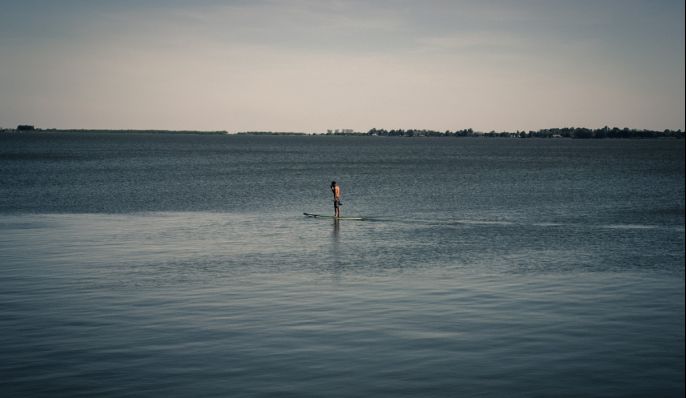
x,y
313,65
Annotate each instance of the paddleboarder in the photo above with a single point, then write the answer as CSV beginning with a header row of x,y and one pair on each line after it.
x,y
336,191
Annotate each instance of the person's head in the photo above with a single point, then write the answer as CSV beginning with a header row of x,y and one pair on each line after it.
x,y
333,183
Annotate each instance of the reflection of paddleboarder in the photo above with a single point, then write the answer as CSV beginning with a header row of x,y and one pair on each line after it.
x,y
336,190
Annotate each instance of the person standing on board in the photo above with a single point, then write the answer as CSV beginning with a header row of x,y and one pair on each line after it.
x,y
336,190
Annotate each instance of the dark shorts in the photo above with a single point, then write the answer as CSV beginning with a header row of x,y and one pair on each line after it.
x,y
336,203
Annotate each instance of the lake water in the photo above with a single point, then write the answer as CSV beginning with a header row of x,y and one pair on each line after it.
x,y
181,265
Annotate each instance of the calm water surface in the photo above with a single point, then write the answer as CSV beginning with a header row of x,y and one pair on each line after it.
x,y
181,265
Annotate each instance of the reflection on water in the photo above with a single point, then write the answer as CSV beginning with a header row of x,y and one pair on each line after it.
x,y
336,230
337,264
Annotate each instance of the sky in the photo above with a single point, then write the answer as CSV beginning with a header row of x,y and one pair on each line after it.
x,y
313,65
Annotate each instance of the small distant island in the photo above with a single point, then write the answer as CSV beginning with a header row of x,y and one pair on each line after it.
x,y
562,132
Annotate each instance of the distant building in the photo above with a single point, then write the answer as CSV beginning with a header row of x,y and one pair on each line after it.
x,y
25,127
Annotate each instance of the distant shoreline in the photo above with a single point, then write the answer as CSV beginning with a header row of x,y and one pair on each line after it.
x,y
122,131
567,132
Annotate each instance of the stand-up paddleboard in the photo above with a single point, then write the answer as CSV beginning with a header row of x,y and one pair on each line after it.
x,y
332,217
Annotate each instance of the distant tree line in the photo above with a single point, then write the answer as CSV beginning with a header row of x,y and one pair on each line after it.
x,y
139,131
423,133
271,133
564,132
